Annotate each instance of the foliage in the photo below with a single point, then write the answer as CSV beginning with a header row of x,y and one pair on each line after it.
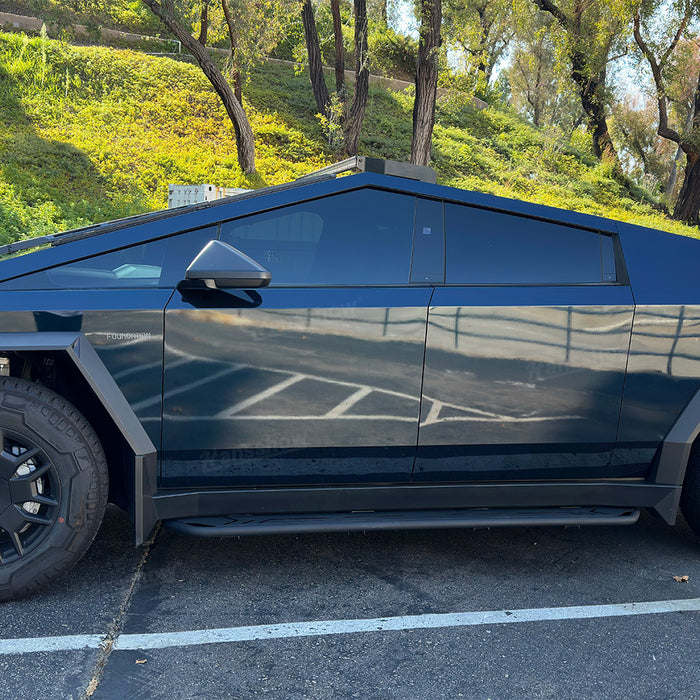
x,y
646,157
257,27
108,131
480,32
332,123
124,15
665,53
539,88
392,54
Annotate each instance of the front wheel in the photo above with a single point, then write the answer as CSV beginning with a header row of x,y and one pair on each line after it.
x,y
690,496
53,486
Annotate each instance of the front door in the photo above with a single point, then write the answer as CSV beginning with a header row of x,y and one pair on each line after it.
x,y
314,380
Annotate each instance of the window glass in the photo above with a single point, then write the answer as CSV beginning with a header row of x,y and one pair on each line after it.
x,y
360,238
607,251
160,263
486,247
428,264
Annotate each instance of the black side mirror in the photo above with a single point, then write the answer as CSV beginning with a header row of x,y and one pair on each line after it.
x,y
220,265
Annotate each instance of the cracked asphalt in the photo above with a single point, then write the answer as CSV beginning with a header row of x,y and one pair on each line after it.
x,y
180,584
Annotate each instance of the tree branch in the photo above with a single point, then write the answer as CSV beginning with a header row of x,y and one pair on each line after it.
x,y
664,130
245,142
681,28
556,12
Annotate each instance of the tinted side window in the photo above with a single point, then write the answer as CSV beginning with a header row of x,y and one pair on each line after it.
x,y
428,264
486,247
360,238
160,263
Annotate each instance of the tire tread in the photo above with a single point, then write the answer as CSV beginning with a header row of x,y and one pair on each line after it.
x,y
67,419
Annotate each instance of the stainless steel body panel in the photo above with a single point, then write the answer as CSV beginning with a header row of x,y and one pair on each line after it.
x,y
663,375
308,386
520,384
124,326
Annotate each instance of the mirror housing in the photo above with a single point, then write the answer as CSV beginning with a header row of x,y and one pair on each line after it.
x,y
220,266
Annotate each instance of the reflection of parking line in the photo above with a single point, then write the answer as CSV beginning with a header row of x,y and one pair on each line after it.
x,y
261,396
339,412
404,419
185,387
145,368
343,406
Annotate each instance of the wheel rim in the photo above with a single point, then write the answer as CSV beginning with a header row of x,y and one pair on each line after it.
x,y
29,495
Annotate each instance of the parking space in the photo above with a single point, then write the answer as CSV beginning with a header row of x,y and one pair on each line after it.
x,y
124,602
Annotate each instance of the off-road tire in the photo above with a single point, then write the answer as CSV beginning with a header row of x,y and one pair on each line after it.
x,y
690,496
53,475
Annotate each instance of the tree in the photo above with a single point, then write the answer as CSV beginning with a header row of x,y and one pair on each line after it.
x,y
245,143
647,158
313,50
481,30
426,80
539,88
353,124
350,119
592,29
662,55
233,39
378,11
339,48
203,23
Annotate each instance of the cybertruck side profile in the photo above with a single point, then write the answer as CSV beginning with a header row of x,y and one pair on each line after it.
x,y
361,352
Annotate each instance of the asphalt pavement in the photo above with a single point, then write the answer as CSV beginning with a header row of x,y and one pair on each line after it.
x,y
502,613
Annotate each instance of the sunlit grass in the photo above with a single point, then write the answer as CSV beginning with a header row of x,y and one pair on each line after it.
x,y
92,134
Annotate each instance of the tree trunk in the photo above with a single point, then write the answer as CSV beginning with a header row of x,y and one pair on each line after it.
x,y
233,38
673,174
245,142
592,92
313,48
426,81
383,13
204,23
591,86
359,99
339,50
688,205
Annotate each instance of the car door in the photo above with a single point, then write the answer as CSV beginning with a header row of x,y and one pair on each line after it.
x,y
526,351
314,379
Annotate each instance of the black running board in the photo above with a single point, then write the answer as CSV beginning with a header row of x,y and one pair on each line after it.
x,y
233,525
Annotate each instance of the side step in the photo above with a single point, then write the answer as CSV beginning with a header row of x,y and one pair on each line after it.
x,y
233,525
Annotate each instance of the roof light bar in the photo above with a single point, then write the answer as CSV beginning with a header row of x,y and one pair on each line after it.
x,y
364,164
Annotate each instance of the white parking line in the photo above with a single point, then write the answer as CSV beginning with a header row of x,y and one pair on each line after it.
x,y
327,627
31,645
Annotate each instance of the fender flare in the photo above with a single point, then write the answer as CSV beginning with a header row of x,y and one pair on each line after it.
x,y
78,348
674,454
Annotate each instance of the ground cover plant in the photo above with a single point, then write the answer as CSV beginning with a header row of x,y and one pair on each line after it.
x,y
90,134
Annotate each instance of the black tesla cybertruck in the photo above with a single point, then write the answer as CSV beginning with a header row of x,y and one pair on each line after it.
x,y
360,352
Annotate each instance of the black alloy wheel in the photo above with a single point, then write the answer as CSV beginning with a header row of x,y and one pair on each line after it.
x,y
30,492
53,486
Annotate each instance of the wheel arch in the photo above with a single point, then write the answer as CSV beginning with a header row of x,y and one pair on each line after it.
x,y
674,455
82,379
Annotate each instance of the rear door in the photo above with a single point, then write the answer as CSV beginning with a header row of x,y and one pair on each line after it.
x,y
315,379
526,351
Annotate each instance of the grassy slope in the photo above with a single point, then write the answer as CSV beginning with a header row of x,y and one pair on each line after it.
x,y
91,134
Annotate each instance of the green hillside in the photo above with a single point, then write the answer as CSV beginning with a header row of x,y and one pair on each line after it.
x,y
91,134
